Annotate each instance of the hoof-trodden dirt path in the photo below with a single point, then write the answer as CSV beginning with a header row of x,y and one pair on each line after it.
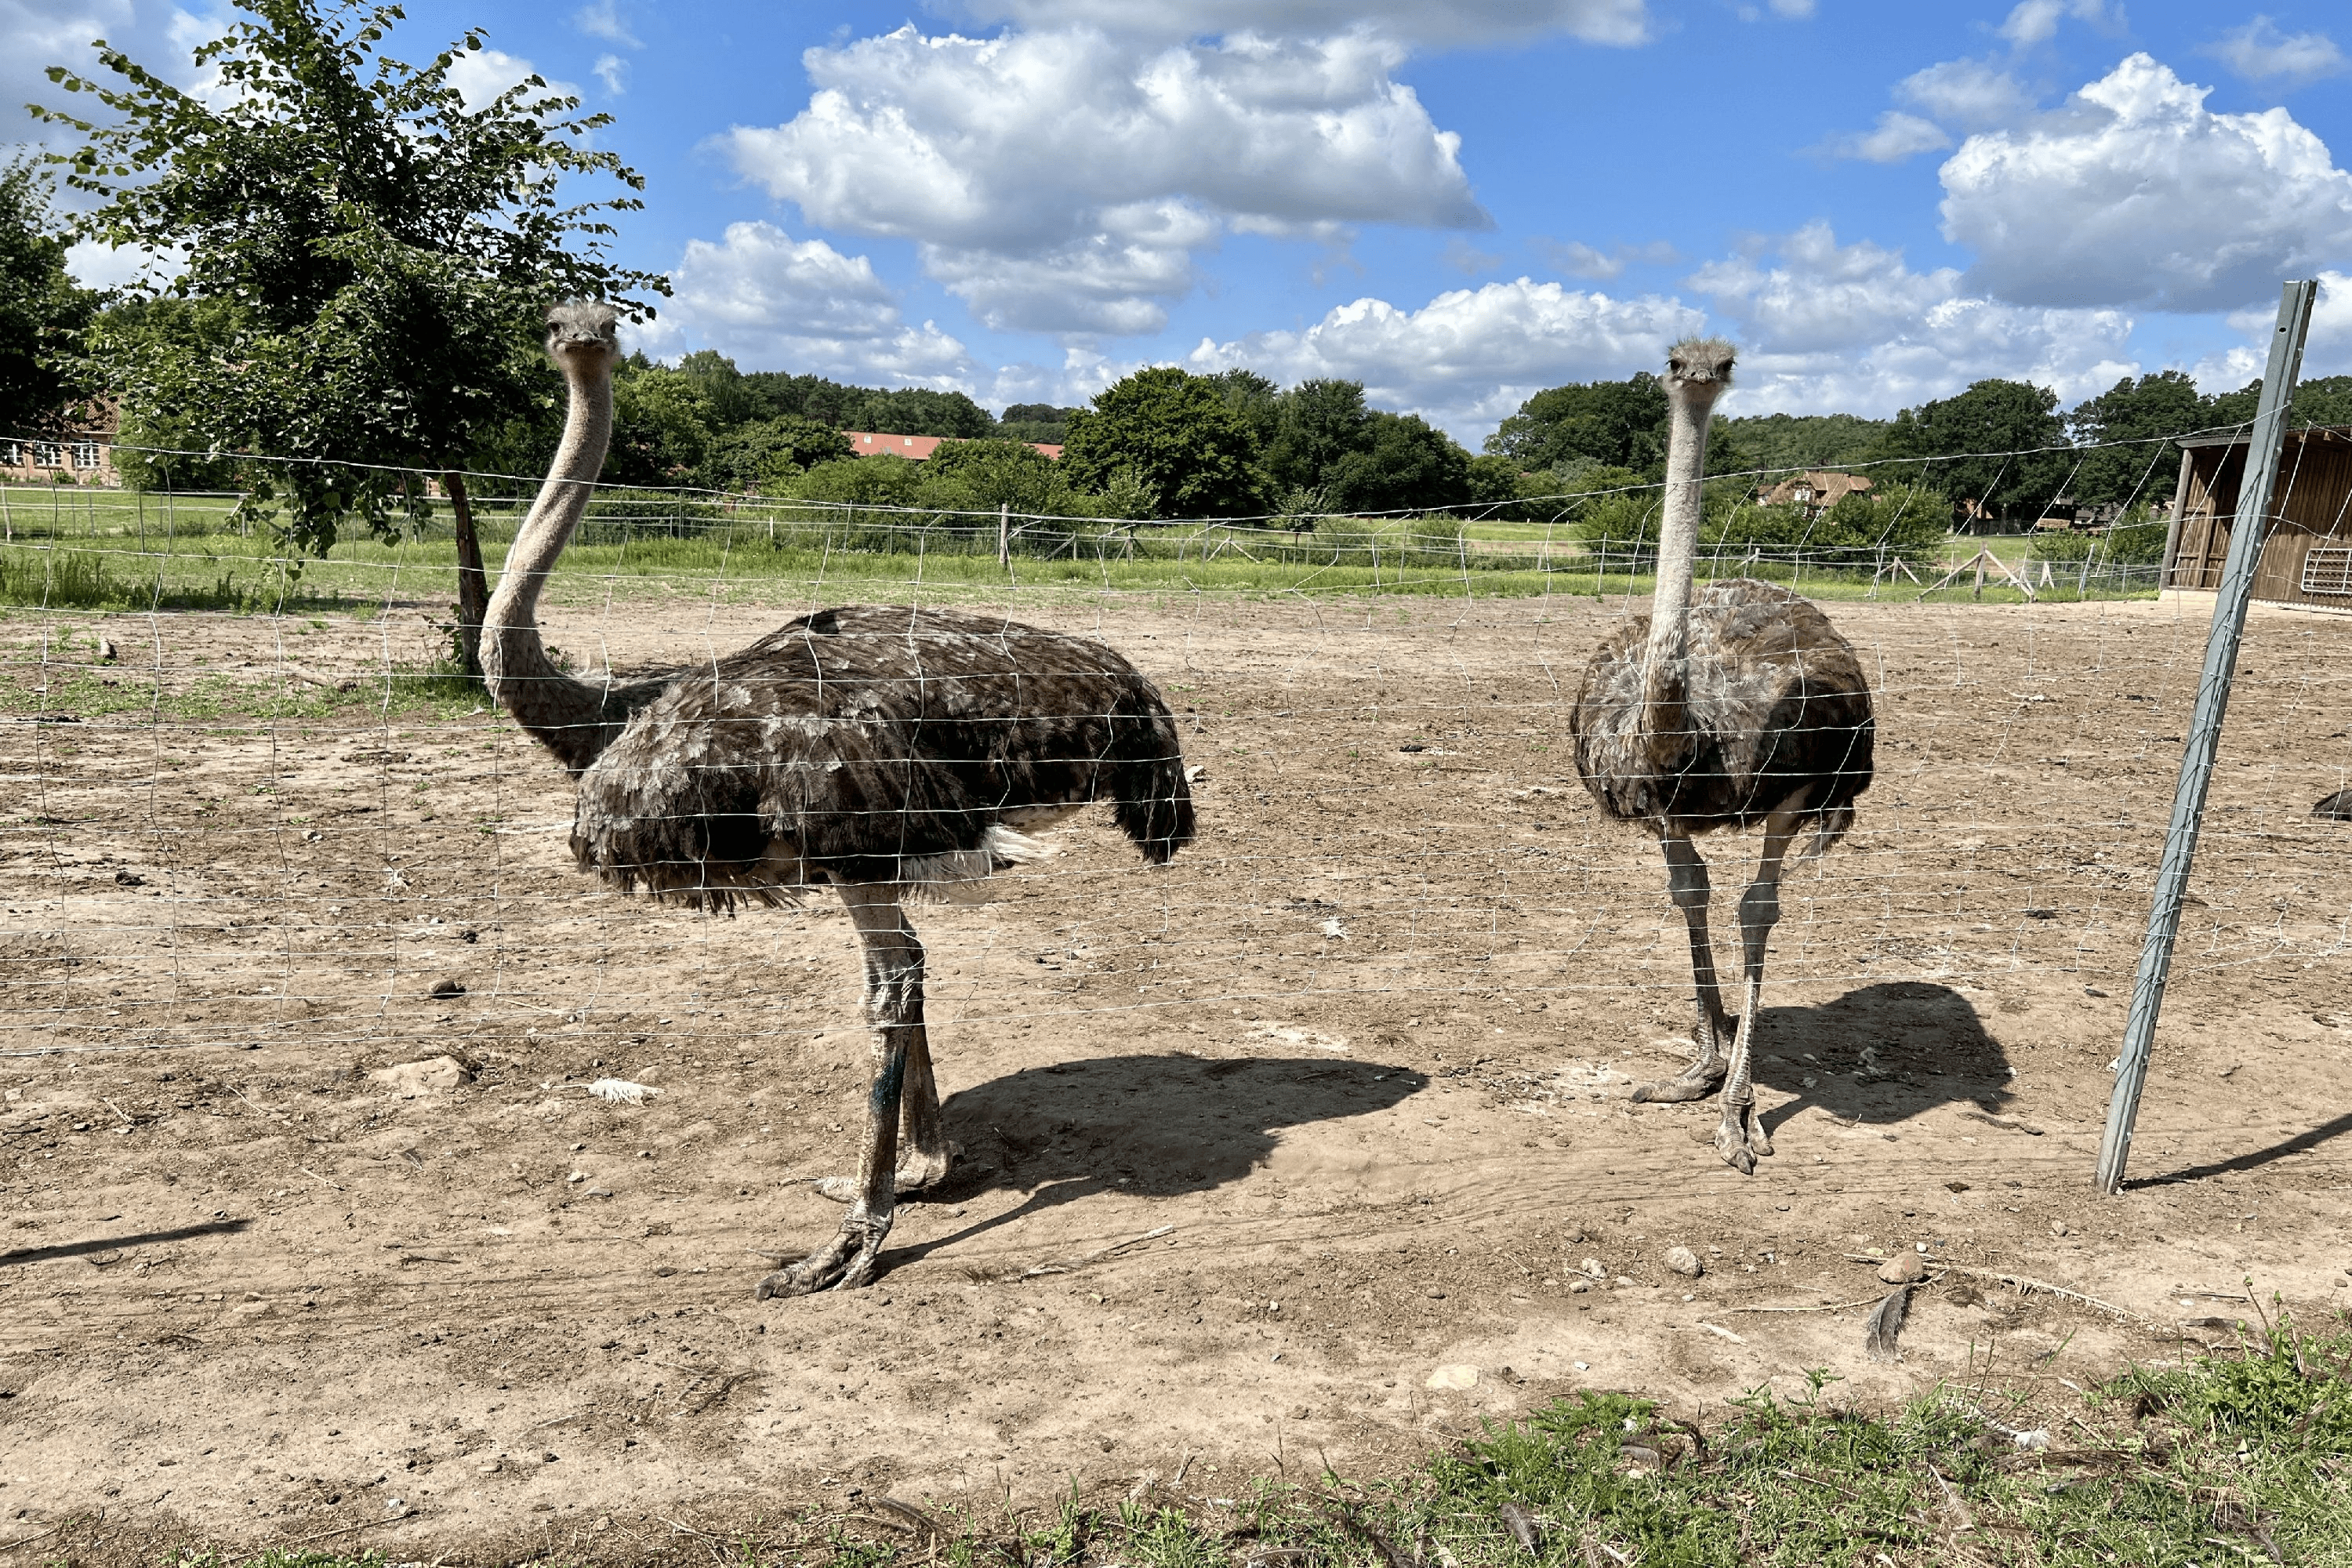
x,y
1250,1146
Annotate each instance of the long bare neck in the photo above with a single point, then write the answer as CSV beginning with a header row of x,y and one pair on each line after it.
x,y
571,718
1666,667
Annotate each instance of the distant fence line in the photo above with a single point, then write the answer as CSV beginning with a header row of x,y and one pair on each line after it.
x,y
1420,543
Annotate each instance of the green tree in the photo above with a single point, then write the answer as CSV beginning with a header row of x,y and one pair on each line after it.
x,y
1405,464
2324,399
1617,424
1622,423
1313,426
1252,397
41,309
2123,426
921,411
732,402
1497,484
160,447
662,424
1804,440
1177,435
2000,444
766,455
381,250
1034,422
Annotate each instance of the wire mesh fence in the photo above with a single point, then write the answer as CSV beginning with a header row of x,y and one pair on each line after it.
x,y
257,804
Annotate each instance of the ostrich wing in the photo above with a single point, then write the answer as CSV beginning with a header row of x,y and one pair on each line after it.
x,y
870,744
1775,701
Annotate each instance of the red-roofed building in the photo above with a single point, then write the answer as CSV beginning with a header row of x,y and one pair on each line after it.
x,y
870,444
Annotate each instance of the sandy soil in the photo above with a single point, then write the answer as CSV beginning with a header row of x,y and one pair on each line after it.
x,y
1252,1146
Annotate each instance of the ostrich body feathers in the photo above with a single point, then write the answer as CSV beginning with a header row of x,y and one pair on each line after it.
x,y
1774,700
877,744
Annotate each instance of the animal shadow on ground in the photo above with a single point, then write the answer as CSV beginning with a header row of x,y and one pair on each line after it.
x,y
1926,1047
1141,1124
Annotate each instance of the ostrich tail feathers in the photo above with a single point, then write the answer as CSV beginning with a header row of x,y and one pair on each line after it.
x,y
1007,849
1834,823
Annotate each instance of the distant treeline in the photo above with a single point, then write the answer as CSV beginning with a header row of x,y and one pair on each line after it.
x,y
1997,417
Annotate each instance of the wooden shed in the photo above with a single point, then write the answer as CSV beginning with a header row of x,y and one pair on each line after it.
x,y
2307,558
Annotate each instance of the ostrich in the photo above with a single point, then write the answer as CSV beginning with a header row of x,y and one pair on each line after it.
x,y
1745,709
883,750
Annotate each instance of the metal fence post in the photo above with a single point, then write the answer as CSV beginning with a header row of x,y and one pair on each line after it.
x,y
2246,534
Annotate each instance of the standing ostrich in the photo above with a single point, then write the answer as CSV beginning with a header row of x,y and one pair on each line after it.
x,y
883,750
1747,708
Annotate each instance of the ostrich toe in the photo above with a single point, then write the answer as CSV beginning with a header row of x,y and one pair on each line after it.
x,y
1696,1081
847,1262
917,1172
1739,1138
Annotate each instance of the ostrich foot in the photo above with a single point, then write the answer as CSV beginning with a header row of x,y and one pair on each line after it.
x,y
1740,1139
1696,1081
847,1262
917,1174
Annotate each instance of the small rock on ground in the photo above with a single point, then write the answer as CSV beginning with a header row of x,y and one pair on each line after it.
x,y
1684,1261
1457,1376
1904,1269
410,1079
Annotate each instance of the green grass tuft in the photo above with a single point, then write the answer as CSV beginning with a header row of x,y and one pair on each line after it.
x,y
2237,1457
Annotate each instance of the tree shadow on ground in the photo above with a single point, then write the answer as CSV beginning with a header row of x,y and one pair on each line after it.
x,y
1141,1124
1928,1043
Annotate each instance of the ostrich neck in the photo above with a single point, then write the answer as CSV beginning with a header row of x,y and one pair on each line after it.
x,y
1665,669
569,717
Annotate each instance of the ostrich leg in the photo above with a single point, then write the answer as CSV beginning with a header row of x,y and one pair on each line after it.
x,y
921,1133
1739,1136
894,1010
1687,881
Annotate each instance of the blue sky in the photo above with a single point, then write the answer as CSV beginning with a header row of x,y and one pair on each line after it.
x,y
1456,204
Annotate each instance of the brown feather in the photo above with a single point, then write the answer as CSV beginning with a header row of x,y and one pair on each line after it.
x,y
875,744
1775,701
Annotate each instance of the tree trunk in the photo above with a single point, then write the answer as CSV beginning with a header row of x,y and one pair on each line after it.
x,y
473,582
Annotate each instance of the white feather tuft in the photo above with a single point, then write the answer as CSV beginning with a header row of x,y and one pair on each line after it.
x,y
621,1092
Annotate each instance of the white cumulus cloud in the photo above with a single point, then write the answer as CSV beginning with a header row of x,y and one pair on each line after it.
x,y
2327,351
1064,181
1579,259
1619,22
2135,193
1968,93
1825,327
2036,21
1895,137
480,75
602,20
2260,52
772,302
1470,356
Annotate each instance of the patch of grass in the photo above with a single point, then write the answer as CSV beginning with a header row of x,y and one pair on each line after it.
x,y
429,693
2238,1456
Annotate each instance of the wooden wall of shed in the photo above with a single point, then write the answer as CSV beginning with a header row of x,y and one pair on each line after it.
x,y
2313,506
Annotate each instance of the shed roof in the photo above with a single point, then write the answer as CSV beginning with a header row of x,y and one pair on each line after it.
x,y
874,443
2239,438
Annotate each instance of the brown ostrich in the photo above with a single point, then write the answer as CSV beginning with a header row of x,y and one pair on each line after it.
x,y
881,751
1746,708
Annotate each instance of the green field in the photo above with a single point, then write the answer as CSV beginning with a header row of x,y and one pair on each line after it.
x,y
85,548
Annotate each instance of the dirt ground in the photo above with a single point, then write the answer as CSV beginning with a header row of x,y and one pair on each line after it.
x,y
1252,1147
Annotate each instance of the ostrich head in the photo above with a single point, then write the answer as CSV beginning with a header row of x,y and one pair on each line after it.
x,y
583,332
1700,367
